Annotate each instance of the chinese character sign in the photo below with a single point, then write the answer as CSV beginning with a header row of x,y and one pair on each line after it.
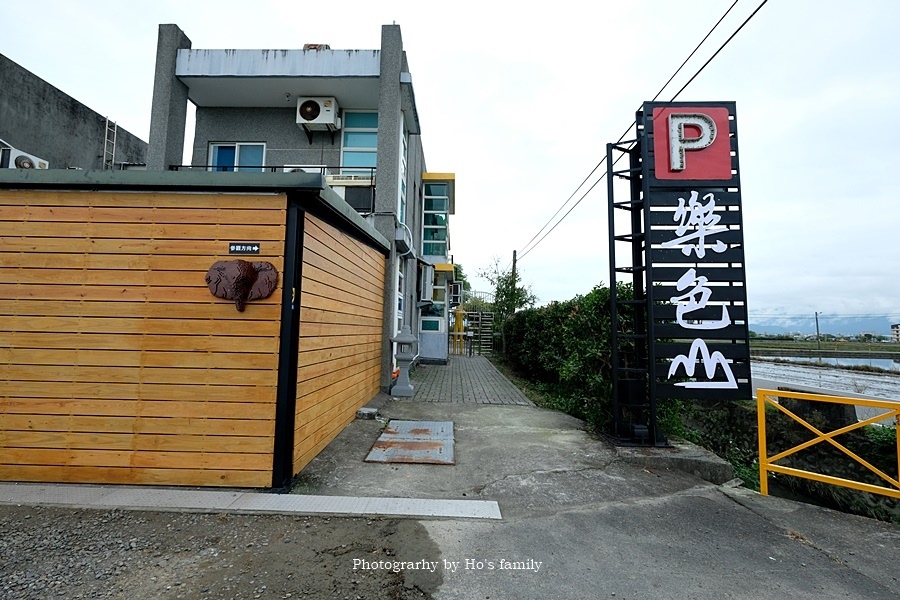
x,y
696,277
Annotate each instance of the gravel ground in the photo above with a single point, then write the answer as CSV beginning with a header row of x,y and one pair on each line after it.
x,y
66,553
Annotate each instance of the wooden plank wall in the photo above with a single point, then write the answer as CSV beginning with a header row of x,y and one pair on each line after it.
x,y
341,307
116,363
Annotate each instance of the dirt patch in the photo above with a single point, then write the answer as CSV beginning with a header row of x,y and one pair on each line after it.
x,y
65,553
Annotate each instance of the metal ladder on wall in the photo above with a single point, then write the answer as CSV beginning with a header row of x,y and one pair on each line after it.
x,y
109,145
634,410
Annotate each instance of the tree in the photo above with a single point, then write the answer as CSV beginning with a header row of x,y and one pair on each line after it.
x,y
458,275
509,294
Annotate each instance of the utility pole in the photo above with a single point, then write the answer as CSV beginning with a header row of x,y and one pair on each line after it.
x,y
514,291
818,343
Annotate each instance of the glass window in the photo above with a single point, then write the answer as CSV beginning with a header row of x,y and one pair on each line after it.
x,y
360,139
250,157
435,248
360,159
359,143
431,325
404,150
433,234
223,157
436,204
435,221
435,310
237,157
366,120
432,219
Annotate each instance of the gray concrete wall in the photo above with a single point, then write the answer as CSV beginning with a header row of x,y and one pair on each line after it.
x,y
389,125
170,97
286,143
40,119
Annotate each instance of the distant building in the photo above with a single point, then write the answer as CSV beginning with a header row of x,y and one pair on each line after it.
x,y
43,127
895,333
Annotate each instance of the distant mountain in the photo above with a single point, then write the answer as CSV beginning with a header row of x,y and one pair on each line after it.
x,y
835,326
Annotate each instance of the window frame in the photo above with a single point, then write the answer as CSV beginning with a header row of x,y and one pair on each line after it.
x,y
445,212
345,149
236,167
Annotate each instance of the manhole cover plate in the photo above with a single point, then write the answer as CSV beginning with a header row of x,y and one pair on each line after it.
x,y
426,442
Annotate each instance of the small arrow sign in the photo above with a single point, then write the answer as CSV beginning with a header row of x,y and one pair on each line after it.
x,y
244,247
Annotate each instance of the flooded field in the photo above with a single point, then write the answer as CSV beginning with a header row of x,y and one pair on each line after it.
x,y
879,385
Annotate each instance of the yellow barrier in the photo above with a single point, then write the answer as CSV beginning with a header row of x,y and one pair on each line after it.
x,y
766,462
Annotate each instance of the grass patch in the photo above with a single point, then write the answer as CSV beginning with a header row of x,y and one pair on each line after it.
x,y
533,391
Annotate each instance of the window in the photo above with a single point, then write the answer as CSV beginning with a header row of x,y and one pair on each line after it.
x,y
434,226
237,157
359,142
404,151
400,294
439,299
431,325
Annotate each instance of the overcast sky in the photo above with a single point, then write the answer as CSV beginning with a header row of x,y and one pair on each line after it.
x,y
519,100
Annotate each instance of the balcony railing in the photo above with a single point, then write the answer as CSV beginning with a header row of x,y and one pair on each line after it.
x,y
358,183
362,173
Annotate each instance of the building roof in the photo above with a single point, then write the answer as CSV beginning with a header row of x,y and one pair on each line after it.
x,y
277,78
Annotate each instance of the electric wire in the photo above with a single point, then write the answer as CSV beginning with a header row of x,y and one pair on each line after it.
x,y
525,249
525,252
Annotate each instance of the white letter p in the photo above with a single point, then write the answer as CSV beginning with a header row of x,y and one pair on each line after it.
x,y
678,143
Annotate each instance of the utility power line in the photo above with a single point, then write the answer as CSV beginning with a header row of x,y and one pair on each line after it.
x,y
526,250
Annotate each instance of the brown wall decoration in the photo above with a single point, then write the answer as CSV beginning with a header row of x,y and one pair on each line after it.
x,y
241,281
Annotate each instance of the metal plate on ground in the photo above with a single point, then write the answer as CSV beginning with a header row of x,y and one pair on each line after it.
x,y
423,442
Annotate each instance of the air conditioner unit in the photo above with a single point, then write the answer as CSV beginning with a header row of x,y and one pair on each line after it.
x,y
346,180
318,114
456,293
426,287
23,160
317,169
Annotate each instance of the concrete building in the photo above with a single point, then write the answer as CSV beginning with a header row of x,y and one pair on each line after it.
x,y
41,125
349,115
895,333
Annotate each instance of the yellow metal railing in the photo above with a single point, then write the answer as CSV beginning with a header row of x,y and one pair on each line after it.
x,y
766,463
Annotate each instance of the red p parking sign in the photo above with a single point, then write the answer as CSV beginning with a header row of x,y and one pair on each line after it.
x,y
691,143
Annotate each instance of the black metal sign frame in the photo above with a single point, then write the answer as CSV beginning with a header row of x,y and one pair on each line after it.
x,y
688,336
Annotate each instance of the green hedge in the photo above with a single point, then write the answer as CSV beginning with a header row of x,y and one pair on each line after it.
x,y
564,347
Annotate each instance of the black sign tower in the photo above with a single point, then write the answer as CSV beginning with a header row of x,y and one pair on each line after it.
x,y
677,277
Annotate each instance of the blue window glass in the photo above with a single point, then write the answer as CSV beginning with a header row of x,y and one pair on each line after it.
x,y
431,325
360,139
435,248
360,159
436,219
223,157
435,234
361,120
250,155
435,310
435,189
439,204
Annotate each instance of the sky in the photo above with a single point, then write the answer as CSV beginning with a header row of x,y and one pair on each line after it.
x,y
520,103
